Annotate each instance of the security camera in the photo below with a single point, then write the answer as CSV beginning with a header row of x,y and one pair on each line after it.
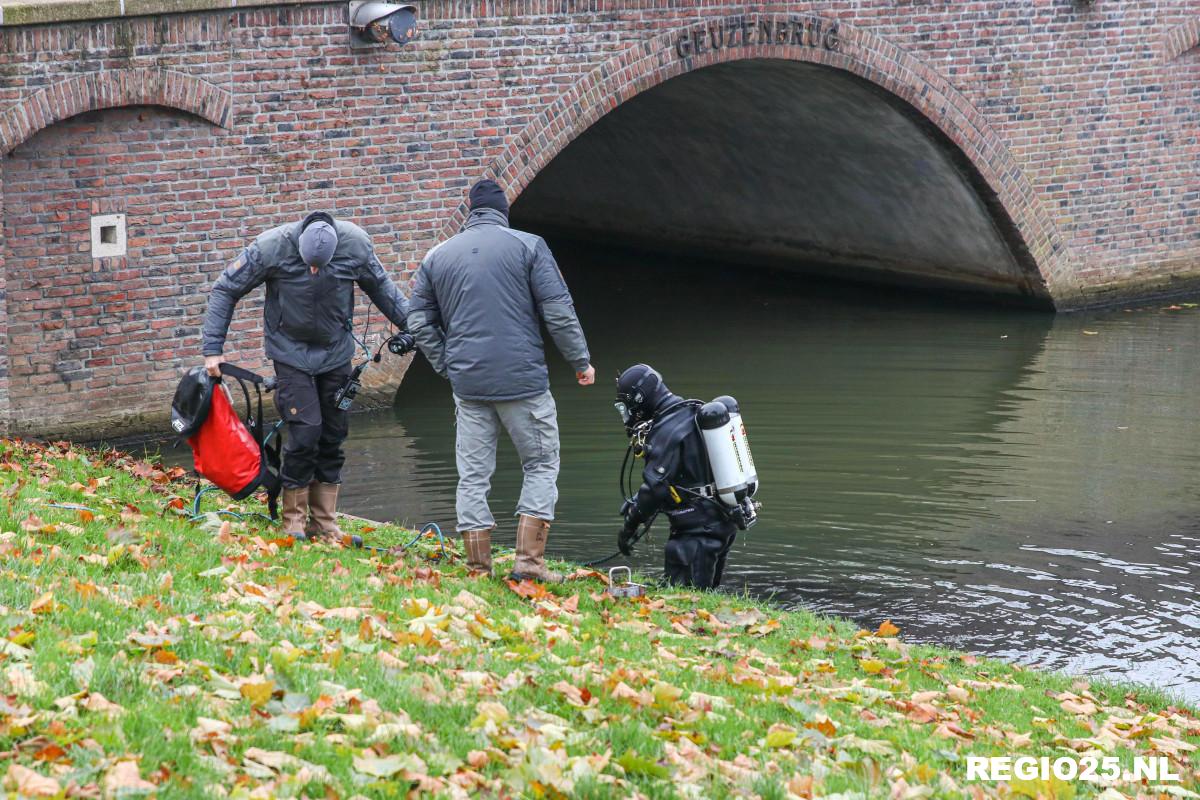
x,y
374,21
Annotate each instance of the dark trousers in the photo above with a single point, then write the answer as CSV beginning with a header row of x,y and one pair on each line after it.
x,y
316,428
697,557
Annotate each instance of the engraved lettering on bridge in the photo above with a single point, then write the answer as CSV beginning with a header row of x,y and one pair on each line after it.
x,y
747,31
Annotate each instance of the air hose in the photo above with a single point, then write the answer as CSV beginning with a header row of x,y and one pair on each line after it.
x,y
428,527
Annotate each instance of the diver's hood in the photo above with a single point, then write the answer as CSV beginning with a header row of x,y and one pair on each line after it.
x,y
641,392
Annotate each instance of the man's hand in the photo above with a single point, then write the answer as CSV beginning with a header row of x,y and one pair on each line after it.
x,y
625,539
212,364
587,377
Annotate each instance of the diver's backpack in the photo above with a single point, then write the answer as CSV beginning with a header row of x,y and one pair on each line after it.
x,y
228,450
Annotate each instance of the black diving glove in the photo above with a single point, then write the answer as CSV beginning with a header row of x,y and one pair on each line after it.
x,y
625,538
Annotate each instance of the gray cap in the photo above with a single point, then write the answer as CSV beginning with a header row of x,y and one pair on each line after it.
x,y
317,244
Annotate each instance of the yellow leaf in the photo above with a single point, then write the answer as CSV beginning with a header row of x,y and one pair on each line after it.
x,y
780,735
258,693
886,629
872,666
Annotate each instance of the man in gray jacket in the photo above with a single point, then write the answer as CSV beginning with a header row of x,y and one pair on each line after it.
x,y
310,268
478,303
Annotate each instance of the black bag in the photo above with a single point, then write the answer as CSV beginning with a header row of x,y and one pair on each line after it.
x,y
193,398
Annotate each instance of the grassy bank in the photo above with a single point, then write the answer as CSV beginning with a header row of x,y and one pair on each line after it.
x,y
144,654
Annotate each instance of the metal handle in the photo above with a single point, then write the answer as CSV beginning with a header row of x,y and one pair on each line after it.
x,y
612,573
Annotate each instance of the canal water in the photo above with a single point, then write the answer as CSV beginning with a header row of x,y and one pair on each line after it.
x,y
1000,480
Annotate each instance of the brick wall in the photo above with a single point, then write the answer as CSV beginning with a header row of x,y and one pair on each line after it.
x,y
207,127
84,333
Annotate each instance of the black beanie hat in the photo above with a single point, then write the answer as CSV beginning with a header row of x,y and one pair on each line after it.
x,y
488,194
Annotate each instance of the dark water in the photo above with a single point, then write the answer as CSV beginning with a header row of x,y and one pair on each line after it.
x,y
1003,481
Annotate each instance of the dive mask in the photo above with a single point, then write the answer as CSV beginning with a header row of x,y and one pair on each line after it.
x,y
623,410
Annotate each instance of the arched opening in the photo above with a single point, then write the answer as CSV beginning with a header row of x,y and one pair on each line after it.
x,y
786,164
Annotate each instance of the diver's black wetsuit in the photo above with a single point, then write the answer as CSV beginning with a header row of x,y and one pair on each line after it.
x,y
701,533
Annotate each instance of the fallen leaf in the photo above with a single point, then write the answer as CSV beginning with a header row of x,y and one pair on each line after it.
x,y
99,704
123,778
378,767
28,783
780,735
872,666
958,694
887,629
43,604
257,693
1083,707
635,764
51,752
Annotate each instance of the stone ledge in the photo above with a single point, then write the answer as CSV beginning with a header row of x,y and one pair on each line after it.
x,y
22,12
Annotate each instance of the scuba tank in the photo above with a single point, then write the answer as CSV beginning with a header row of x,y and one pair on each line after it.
x,y
724,456
735,479
749,473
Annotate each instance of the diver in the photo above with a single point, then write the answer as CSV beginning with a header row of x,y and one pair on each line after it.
x,y
698,471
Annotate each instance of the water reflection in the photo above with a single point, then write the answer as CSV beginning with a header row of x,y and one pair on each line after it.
x,y
1006,482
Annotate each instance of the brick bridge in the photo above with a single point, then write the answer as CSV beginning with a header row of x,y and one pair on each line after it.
x,y
1046,149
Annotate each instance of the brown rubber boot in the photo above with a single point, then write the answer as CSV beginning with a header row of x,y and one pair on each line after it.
x,y
311,528
322,510
531,550
478,545
294,503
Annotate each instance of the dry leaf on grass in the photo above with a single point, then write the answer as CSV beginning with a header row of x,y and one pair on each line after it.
x,y
27,783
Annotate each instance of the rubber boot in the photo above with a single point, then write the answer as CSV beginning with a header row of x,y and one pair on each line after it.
x,y
530,563
478,545
322,509
294,506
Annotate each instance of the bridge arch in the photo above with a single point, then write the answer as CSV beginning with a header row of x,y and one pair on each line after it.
x,y
94,91
1032,233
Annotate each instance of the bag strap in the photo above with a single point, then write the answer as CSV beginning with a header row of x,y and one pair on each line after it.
x,y
271,453
241,373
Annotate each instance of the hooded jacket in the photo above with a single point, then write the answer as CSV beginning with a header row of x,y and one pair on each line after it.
x,y
478,303
308,318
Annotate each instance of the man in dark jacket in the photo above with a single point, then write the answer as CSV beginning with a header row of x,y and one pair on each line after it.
x,y
478,304
675,480
310,268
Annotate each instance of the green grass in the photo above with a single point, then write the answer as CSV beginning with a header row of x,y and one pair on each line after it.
x,y
231,678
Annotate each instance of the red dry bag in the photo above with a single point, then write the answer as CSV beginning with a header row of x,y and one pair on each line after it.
x,y
226,449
